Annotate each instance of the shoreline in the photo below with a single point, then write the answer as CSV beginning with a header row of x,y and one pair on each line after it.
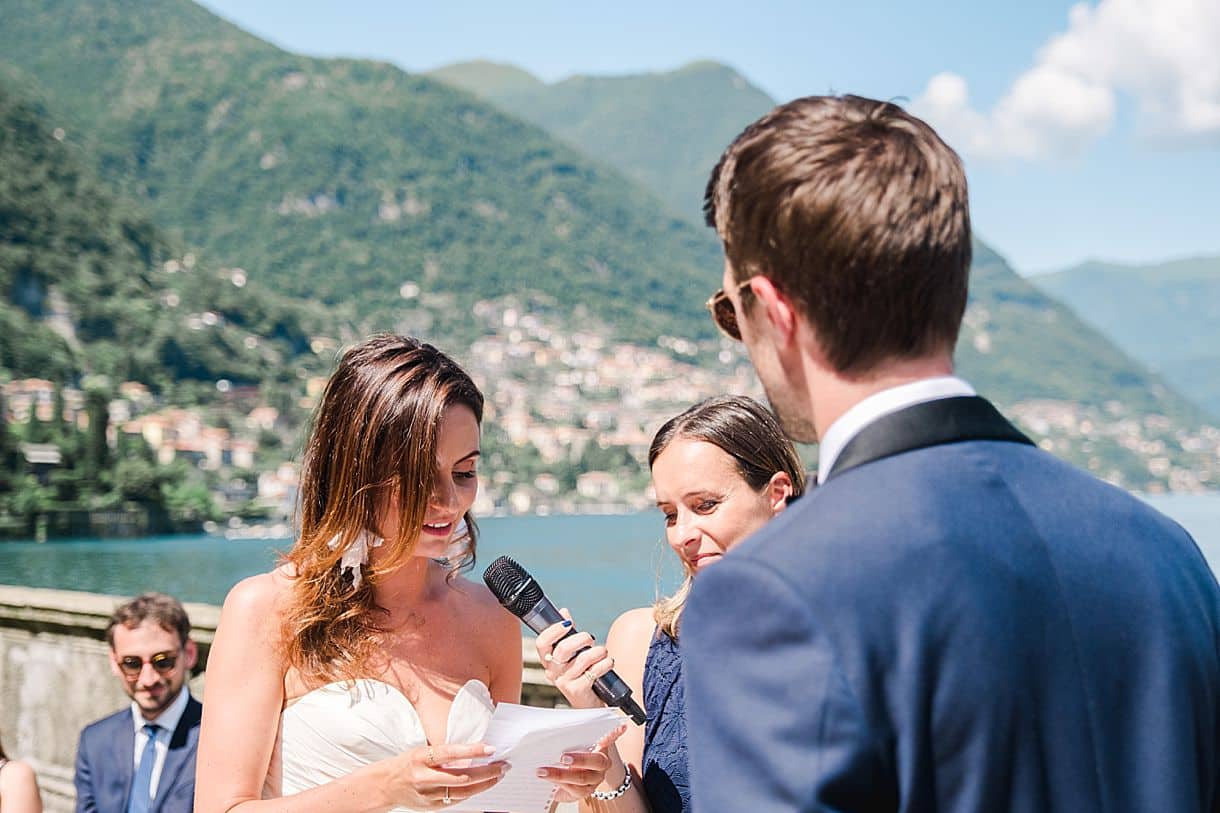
x,y
282,529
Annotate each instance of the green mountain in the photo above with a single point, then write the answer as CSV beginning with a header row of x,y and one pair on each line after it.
x,y
492,80
665,130
350,181
1166,315
1019,345
668,130
90,286
401,202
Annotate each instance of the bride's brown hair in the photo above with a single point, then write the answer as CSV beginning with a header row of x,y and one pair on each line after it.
x,y
373,440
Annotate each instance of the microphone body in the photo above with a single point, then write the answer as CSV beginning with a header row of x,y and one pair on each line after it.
x,y
518,593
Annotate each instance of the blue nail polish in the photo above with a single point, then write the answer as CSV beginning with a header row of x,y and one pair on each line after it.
x,y
566,624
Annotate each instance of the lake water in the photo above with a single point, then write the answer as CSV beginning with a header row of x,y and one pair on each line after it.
x,y
596,565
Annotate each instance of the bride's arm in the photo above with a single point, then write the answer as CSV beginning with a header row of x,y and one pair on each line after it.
x,y
243,696
242,704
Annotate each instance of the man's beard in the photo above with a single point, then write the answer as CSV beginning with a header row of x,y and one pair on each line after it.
x,y
795,425
149,706
770,373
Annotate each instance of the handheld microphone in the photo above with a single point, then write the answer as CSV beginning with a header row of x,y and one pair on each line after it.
x,y
518,593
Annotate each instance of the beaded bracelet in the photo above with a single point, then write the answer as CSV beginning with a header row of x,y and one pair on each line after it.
x,y
607,795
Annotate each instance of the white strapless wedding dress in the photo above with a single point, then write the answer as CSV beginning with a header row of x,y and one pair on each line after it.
x,y
335,729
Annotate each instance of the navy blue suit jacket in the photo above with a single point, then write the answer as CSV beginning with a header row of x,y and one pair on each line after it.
x,y
973,626
105,764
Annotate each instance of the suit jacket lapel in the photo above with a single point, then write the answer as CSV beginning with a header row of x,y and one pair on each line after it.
x,y
181,751
932,423
123,754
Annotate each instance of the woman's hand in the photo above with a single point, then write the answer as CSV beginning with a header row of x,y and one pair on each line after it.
x,y
571,673
433,777
582,771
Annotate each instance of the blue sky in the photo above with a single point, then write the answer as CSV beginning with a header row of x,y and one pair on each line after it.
x,y
1089,132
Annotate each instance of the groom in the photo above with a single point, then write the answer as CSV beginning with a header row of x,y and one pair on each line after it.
x,y
954,620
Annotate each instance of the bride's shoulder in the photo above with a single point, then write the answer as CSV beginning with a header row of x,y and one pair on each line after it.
x,y
260,596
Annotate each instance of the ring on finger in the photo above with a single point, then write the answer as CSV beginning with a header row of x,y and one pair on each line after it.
x,y
431,761
447,800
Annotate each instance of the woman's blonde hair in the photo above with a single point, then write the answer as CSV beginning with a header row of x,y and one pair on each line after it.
x,y
746,431
372,443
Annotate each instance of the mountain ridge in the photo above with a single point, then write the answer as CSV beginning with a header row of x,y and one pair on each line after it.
x,y
1164,314
397,202
348,179
665,129
92,287
993,350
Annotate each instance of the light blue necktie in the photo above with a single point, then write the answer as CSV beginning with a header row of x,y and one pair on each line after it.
x,y
141,787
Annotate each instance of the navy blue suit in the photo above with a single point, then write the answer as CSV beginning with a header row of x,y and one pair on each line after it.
x,y
967,626
105,764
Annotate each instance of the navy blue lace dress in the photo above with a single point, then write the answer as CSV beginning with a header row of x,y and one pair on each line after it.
x,y
666,778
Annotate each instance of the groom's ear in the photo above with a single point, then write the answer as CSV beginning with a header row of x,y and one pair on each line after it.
x,y
776,309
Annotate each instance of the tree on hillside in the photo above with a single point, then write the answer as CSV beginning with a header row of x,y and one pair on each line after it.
x,y
8,445
58,427
97,452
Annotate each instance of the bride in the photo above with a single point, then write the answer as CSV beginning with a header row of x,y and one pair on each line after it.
x,y
360,674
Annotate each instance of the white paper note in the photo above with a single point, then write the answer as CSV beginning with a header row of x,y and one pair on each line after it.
x,y
529,738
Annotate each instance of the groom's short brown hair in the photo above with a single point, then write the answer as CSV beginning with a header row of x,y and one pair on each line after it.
x,y
857,210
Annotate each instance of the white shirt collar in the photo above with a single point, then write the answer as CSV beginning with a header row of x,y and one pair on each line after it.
x,y
168,719
882,403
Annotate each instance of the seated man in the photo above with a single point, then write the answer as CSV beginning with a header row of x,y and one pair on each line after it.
x,y
142,759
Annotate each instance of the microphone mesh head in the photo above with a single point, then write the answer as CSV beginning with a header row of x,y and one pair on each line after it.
x,y
512,586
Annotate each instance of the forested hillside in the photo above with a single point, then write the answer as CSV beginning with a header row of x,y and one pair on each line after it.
x,y
668,130
91,286
349,181
294,204
1166,315
665,130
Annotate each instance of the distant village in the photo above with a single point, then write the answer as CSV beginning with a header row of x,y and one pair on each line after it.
x,y
569,417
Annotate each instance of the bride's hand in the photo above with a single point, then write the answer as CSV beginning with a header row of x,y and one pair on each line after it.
x,y
571,673
582,771
432,777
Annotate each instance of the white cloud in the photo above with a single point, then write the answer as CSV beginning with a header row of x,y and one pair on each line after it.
x,y
1162,54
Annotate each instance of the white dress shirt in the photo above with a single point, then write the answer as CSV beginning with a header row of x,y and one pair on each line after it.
x,y
168,720
879,404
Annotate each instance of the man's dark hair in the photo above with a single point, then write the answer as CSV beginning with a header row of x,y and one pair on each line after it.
x,y
166,611
858,211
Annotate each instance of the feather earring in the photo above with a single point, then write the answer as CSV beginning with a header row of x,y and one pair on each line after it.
x,y
356,555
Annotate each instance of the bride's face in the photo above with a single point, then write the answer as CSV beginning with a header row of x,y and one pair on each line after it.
x,y
454,485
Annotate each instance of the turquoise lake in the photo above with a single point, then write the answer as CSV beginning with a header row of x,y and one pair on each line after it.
x,y
596,565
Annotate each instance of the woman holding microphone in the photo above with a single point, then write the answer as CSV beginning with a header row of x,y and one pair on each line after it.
x,y
720,470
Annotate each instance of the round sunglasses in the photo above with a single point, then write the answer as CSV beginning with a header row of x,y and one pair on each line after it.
x,y
724,314
163,662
